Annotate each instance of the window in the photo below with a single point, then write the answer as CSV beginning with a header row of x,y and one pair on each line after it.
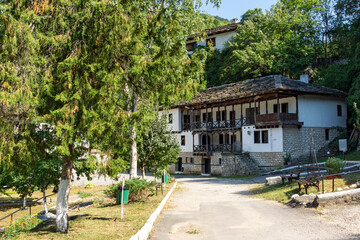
x,y
170,118
221,138
256,136
327,134
223,115
261,136
217,116
186,122
275,108
191,160
250,116
187,160
197,118
339,110
219,161
264,137
210,41
284,107
233,139
182,140
226,138
204,117
191,46
210,116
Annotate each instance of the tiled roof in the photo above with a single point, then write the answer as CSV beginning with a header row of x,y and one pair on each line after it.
x,y
218,30
256,87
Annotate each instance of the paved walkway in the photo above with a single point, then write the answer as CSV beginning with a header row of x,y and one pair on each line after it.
x,y
210,208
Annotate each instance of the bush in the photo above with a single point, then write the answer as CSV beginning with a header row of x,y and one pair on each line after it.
x,y
84,194
336,164
139,189
23,224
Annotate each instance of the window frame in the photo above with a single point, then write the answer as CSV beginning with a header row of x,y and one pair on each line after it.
x,y
257,137
183,140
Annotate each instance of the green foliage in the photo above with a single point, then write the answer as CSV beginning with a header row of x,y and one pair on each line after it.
x,y
214,21
19,225
336,164
89,186
139,189
83,194
357,122
287,158
158,148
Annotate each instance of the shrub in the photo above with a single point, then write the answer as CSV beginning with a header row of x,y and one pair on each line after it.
x,y
23,224
139,189
89,186
336,164
84,194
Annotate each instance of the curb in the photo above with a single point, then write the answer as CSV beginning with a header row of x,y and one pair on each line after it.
x,y
144,232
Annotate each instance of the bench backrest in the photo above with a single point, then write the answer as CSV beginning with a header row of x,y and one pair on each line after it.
x,y
295,172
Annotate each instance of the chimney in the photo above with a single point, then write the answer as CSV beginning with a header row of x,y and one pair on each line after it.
x,y
235,20
304,78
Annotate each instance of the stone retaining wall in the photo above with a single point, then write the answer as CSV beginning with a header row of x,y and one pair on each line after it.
x,y
268,160
337,197
297,142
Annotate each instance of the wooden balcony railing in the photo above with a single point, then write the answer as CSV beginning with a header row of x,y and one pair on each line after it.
x,y
209,149
274,117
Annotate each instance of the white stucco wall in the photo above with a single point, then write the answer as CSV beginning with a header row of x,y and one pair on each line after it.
x,y
188,141
175,125
275,140
220,40
321,111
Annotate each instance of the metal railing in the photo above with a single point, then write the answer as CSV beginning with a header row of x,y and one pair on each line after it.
x,y
22,208
236,147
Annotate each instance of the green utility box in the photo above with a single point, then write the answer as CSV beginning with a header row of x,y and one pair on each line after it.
x,y
126,195
164,178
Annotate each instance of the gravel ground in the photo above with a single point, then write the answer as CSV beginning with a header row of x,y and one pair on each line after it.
x,y
211,208
344,217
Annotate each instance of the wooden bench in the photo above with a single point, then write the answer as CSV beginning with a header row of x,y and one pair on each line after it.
x,y
312,181
294,174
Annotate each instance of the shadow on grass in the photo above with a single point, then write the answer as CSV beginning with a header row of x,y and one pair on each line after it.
x,y
49,226
279,192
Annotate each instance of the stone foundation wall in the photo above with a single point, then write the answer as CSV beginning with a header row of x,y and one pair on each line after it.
x,y
268,160
297,142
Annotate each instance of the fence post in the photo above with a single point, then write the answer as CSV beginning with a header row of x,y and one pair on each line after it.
x,y
333,183
30,210
322,180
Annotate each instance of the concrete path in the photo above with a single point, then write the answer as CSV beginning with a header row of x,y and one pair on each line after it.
x,y
210,208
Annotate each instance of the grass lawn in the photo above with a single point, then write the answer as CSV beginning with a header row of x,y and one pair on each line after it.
x,y
351,156
101,222
283,192
87,193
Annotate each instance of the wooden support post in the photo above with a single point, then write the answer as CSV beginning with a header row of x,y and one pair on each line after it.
x,y
278,107
254,110
193,120
181,119
241,116
267,107
333,183
322,179
193,142
297,108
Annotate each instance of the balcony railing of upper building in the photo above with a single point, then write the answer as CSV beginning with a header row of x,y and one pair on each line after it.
x,y
272,118
211,148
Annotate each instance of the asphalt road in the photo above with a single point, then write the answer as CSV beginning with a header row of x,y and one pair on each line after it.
x,y
211,208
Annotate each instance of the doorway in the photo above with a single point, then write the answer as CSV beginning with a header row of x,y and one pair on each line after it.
x,y
206,167
179,165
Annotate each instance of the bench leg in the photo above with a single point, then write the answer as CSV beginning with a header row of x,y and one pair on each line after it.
x,y
299,187
283,180
306,187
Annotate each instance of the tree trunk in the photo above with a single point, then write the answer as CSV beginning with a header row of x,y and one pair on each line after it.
x,y
143,170
62,222
24,202
134,154
132,105
44,200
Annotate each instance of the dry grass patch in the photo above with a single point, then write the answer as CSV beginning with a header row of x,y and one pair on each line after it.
x,y
102,222
283,192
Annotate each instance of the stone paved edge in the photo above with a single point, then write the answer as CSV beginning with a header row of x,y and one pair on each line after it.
x,y
144,232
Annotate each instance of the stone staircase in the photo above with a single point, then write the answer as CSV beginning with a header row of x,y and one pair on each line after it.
x,y
249,164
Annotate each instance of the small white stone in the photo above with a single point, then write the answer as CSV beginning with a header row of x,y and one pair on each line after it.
x,y
311,194
304,195
339,189
346,187
353,186
294,196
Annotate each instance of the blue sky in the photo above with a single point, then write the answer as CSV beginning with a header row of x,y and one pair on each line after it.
x,y
230,9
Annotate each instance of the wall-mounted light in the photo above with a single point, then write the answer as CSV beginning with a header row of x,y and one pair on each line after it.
x,y
248,132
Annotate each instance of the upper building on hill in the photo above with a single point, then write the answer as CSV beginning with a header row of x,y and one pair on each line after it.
x,y
255,124
216,37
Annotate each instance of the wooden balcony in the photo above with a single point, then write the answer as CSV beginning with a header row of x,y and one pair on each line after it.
x,y
277,118
210,149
